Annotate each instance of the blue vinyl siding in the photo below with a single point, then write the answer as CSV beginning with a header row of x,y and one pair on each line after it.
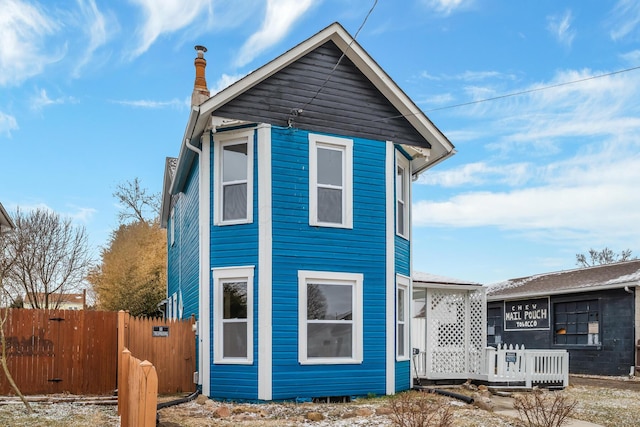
x,y
232,246
298,246
183,254
403,375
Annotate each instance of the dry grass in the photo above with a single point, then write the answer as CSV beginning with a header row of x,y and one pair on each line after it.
x,y
608,407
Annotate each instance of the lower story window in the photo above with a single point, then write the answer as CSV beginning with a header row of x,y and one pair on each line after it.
x,y
330,317
576,323
402,316
233,315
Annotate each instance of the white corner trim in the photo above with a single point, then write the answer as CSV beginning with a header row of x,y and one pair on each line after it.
x,y
204,276
265,263
390,296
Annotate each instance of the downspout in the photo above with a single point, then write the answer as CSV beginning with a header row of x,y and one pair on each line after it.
x,y
191,147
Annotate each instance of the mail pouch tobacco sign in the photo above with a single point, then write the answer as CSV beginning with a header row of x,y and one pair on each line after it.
x,y
526,314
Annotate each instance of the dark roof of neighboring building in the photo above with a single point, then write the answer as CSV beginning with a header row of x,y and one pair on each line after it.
x,y
607,276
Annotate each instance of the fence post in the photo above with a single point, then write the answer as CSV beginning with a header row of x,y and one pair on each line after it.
x,y
490,363
123,389
148,396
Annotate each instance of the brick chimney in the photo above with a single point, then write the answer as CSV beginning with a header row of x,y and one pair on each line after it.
x,y
200,91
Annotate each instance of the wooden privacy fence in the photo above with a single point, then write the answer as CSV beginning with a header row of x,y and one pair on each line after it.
x,y
138,392
76,351
170,345
56,351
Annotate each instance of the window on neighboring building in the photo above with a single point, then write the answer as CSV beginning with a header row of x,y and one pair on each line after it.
x,y
402,316
576,323
330,181
233,315
330,317
234,173
402,196
494,325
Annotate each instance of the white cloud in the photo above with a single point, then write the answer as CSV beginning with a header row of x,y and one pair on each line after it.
x,y
446,7
560,28
168,16
632,57
41,100
23,51
147,103
8,123
478,173
97,28
625,18
579,180
280,16
224,81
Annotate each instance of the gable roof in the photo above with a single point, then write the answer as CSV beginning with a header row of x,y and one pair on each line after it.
x,y
170,165
601,277
428,138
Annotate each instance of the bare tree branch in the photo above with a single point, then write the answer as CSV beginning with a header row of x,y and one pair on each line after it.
x,y
604,256
136,202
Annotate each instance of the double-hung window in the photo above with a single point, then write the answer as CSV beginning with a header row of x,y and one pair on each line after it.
x,y
330,181
234,178
402,196
402,317
330,317
233,315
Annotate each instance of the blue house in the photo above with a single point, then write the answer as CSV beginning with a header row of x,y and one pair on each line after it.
x,y
289,225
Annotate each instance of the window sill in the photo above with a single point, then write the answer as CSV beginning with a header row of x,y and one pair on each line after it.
x,y
330,361
233,362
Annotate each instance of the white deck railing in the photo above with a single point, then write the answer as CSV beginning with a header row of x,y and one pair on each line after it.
x,y
515,364
510,364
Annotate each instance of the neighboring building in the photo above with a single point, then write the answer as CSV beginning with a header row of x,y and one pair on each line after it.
x,y
288,225
592,312
58,301
6,223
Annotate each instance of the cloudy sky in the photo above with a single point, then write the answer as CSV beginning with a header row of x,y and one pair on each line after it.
x,y
540,99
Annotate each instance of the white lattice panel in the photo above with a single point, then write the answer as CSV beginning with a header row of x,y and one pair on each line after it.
x,y
452,337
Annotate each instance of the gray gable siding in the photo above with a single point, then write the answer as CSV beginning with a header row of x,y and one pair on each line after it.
x,y
348,104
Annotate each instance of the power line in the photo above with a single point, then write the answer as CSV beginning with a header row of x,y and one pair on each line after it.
x,y
508,95
295,112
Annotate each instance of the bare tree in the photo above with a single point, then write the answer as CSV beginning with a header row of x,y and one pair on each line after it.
x,y
136,202
605,256
8,250
51,258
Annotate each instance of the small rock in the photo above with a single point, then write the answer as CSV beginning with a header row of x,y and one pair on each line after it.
x,y
201,399
314,416
222,412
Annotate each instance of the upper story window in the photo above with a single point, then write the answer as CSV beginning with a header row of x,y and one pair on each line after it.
x,y
233,315
330,181
330,317
234,178
402,196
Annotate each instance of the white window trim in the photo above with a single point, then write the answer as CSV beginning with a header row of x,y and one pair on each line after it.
x,y
220,140
172,226
225,274
403,162
354,279
346,146
403,283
